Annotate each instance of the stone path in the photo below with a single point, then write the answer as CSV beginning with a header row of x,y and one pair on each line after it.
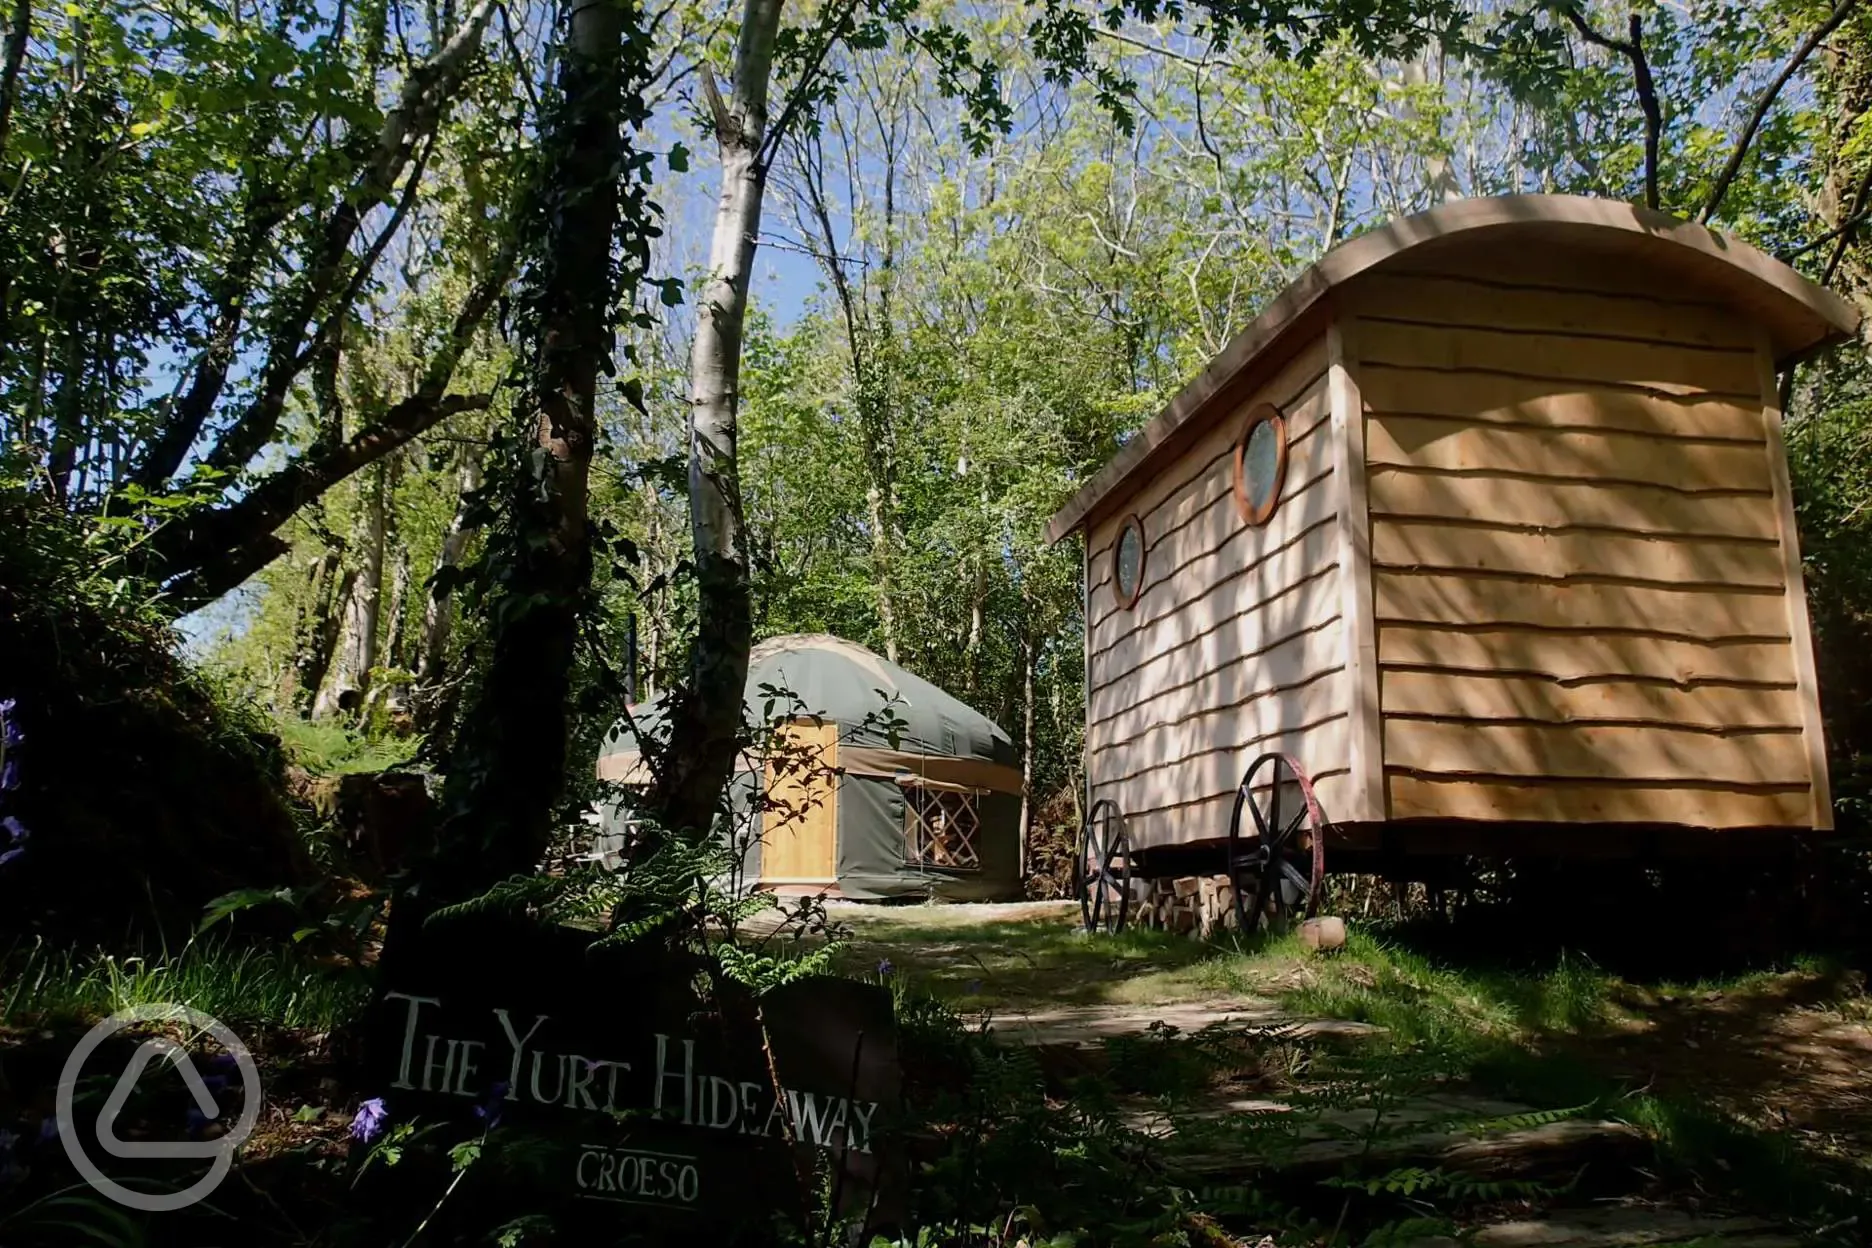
x,y
1087,1026
1627,1227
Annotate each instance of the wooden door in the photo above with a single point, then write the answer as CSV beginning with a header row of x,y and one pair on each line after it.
x,y
799,842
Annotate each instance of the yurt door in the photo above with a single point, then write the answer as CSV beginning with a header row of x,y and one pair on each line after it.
x,y
799,841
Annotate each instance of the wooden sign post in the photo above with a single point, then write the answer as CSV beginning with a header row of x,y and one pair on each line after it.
x,y
644,1099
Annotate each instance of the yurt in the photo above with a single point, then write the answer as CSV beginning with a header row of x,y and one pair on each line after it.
x,y
934,813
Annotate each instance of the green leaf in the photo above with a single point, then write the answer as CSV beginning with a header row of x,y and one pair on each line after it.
x,y
679,159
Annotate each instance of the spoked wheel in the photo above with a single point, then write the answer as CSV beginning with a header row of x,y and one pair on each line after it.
x,y
1277,855
1102,868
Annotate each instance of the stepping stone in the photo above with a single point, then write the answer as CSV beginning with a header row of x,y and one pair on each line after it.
x,y
1092,1025
1629,1227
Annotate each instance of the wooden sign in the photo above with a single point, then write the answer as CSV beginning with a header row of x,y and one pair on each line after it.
x,y
635,1088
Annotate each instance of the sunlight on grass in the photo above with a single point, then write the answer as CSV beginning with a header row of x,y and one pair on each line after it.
x,y
39,986
1536,1034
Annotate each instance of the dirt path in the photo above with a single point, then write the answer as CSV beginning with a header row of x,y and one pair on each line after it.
x,y
1788,1054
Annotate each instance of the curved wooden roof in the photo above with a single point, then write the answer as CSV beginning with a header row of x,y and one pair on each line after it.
x,y
1799,316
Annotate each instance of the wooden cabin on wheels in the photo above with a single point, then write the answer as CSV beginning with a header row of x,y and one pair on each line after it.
x,y
1478,541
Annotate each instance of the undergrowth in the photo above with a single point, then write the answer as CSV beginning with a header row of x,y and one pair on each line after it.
x,y
330,747
40,985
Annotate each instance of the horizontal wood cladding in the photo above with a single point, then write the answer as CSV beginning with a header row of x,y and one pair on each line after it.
x,y
1563,270
1438,545
1647,752
1234,642
1507,800
1192,801
1483,602
1186,648
1496,399
1217,588
1248,722
1454,444
1493,696
1122,709
1581,608
1560,357
1204,551
1207,819
1564,656
1493,303
1582,505
1289,387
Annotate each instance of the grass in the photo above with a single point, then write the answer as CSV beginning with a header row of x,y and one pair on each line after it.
x,y
245,984
1553,1034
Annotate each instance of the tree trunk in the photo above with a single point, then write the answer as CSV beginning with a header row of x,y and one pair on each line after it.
x,y
971,652
706,716
392,697
879,518
358,653
315,661
1027,747
507,767
313,622
438,612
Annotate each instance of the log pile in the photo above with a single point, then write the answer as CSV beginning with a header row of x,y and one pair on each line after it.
x,y
1190,905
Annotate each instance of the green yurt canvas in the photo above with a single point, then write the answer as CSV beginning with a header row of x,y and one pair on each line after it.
x,y
850,813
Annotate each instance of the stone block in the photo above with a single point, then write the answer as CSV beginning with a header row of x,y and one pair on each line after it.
x,y
1323,934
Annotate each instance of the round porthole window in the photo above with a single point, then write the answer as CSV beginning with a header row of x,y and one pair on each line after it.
x,y
1260,464
1128,561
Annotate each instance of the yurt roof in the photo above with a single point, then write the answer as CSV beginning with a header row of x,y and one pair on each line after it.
x,y
844,683
1799,316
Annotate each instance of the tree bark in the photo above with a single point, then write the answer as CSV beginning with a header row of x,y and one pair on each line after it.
x,y
313,610
314,662
202,557
1027,747
428,91
438,612
18,30
706,716
358,653
507,768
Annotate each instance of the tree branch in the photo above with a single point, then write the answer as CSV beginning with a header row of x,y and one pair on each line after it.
x,y
208,548
803,88
184,422
1855,215
1632,49
15,57
425,96
1840,12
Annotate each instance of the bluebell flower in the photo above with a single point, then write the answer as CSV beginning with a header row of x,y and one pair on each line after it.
x,y
369,1123
17,835
10,734
214,1083
885,967
9,775
48,1129
489,1110
196,1121
221,1061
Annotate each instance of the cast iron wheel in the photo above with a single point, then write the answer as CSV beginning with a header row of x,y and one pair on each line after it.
x,y
1277,863
1102,868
